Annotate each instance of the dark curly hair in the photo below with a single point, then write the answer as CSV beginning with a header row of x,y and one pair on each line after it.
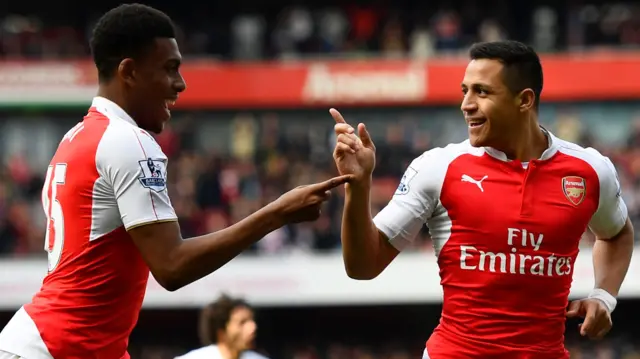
x,y
126,31
216,316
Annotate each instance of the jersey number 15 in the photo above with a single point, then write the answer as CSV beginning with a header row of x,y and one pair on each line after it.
x,y
54,238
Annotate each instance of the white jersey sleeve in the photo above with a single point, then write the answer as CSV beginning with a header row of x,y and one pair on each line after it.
x,y
135,168
612,213
413,202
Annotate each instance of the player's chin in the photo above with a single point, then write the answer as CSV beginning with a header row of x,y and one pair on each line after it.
x,y
247,346
477,141
156,127
478,136
160,119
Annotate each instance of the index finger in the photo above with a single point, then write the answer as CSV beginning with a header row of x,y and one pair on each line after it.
x,y
331,183
337,116
587,325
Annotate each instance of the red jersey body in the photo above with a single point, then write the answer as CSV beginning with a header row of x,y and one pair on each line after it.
x,y
106,177
506,235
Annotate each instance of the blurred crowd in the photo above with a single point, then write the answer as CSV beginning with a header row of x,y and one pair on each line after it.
x,y
250,29
224,166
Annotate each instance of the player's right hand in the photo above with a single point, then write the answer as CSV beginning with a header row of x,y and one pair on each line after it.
x,y
303,203
354,155
597,318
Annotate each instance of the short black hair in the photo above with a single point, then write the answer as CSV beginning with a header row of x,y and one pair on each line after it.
x,y
216,316
126,31
522,68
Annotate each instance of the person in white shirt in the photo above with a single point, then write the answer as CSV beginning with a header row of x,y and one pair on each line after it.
x,y
228,330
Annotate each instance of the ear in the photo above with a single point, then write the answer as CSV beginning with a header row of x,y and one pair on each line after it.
x,y
526,100
127,71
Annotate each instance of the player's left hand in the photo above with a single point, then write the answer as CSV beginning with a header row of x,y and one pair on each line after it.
x,y
597,319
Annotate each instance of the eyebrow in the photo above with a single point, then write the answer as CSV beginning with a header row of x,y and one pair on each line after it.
x,y
477,84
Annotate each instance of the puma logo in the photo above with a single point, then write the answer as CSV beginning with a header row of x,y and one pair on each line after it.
x,y
467,178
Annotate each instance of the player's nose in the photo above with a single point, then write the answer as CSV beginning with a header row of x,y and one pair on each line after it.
x,y
468,106
179,84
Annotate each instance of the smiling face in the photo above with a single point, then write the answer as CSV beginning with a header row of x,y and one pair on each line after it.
x,y
154,82
491,110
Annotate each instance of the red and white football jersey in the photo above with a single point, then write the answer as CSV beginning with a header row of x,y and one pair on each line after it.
x,y
506,235
107,176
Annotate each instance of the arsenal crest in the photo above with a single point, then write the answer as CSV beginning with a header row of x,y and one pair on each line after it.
x,y
574,188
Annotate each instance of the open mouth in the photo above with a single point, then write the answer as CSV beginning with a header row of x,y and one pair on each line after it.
x,y
476,122
169,103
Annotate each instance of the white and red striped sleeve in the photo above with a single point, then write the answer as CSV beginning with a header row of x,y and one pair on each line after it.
x,y
412,204
135,168
417,199
612,212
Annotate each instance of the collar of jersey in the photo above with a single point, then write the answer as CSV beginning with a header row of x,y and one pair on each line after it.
x,y
547,154
111,109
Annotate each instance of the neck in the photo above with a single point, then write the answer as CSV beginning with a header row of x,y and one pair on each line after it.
x,y
528,143
111,93
227,352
